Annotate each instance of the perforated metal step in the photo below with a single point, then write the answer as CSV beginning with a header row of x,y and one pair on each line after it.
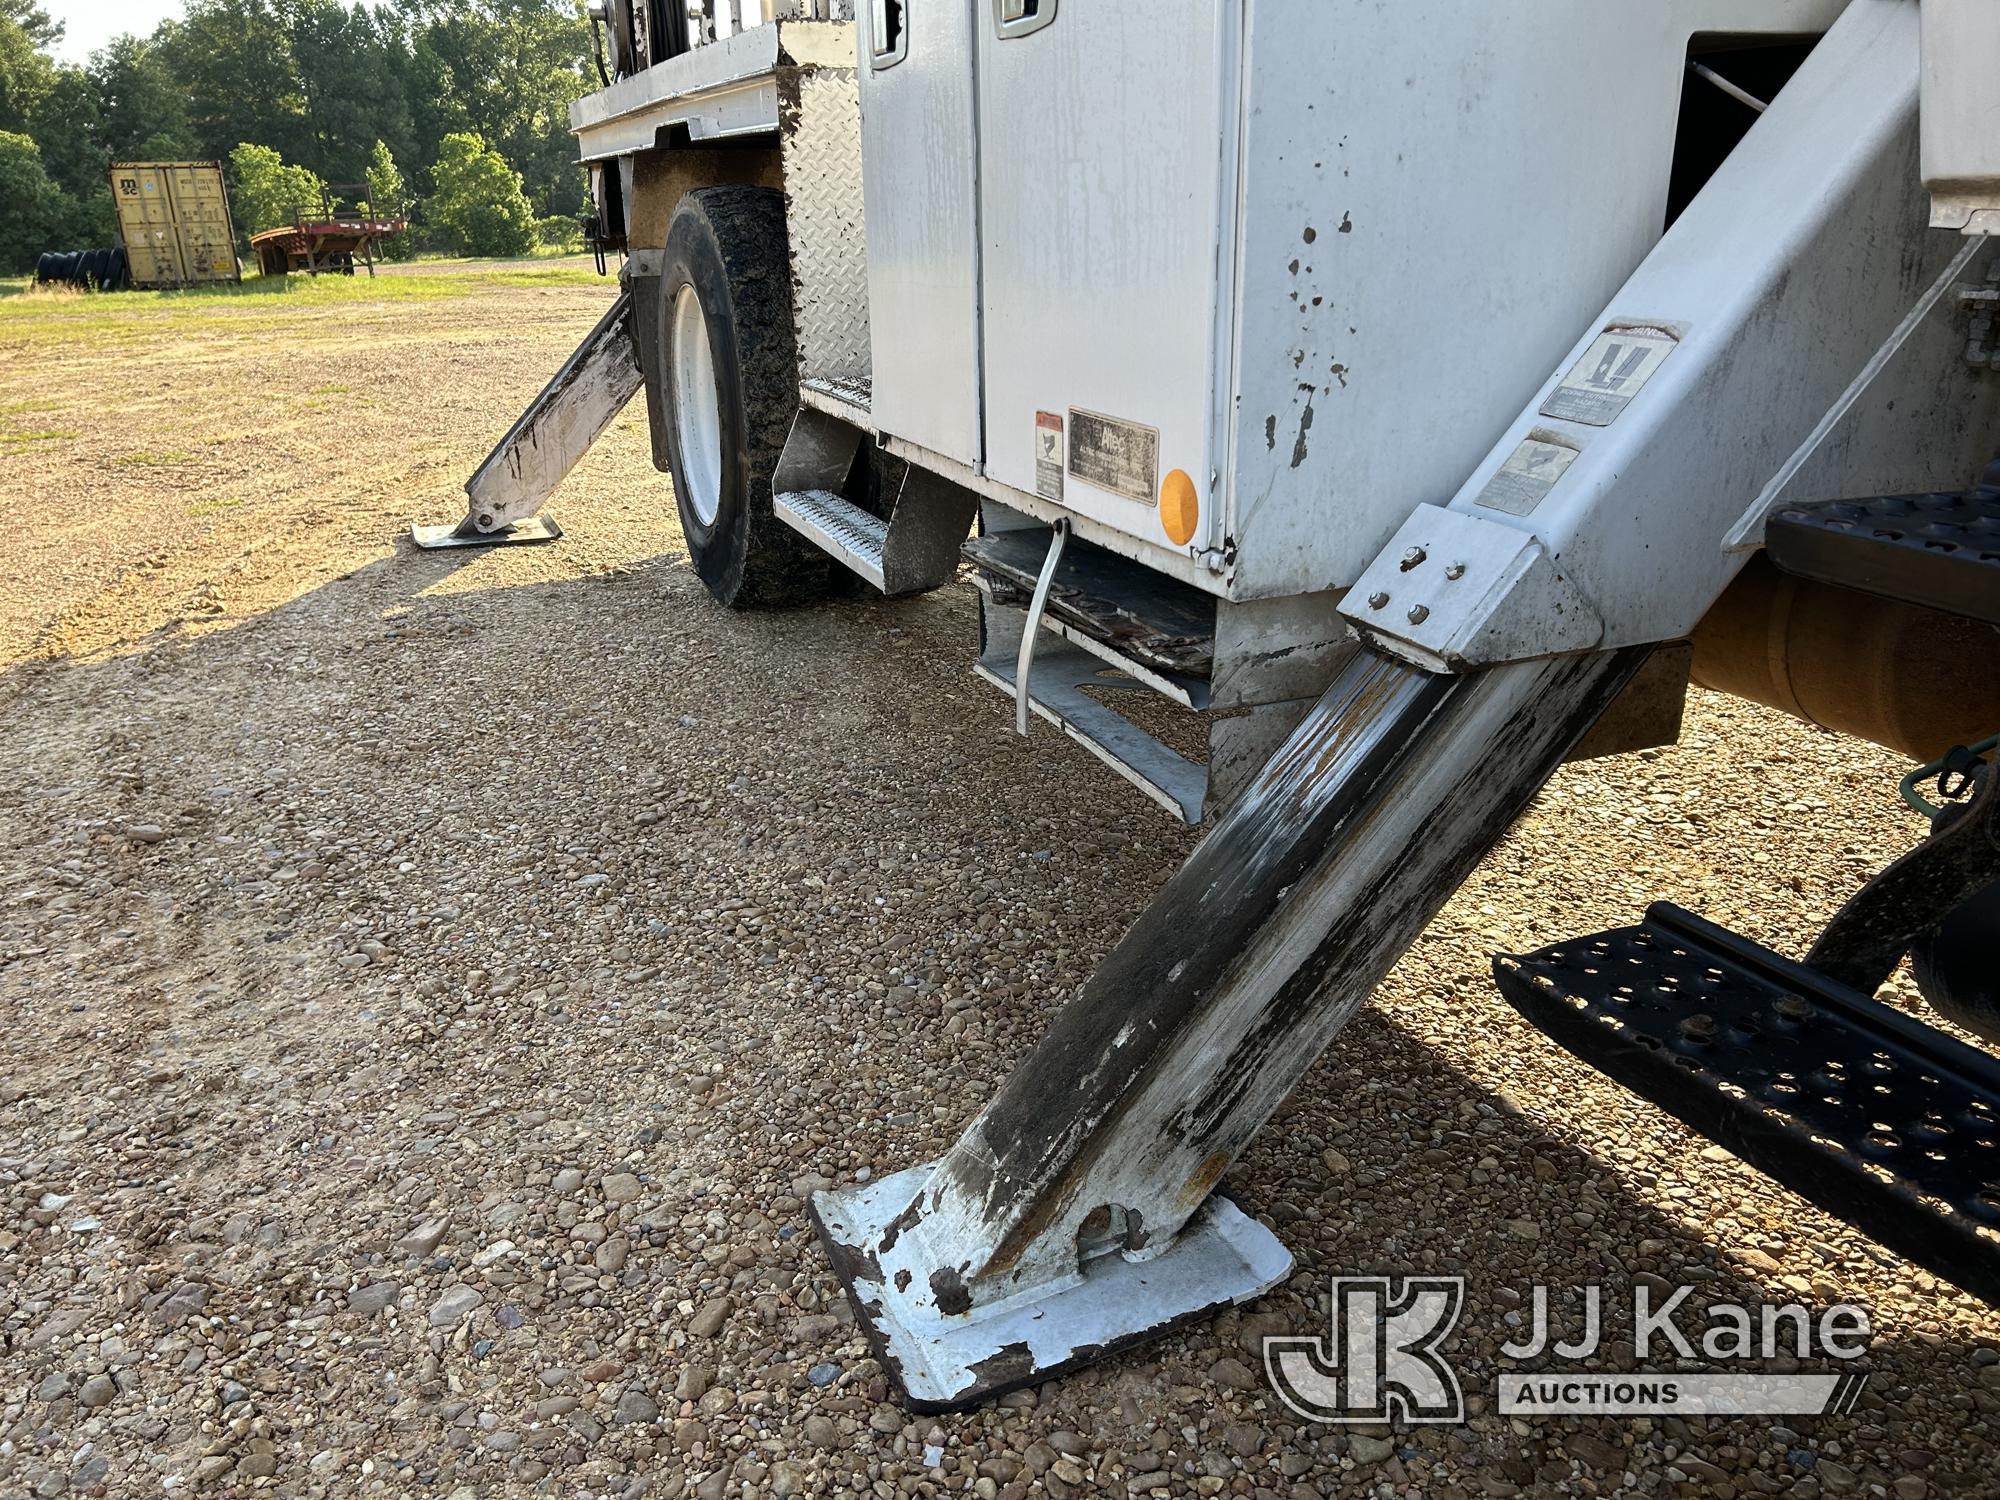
x,y
1880,1120
839,527
1938,550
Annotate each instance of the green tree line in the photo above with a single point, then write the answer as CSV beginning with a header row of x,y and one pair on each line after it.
x,y
458,107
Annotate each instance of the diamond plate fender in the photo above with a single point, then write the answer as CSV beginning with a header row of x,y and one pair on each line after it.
x,y
820,141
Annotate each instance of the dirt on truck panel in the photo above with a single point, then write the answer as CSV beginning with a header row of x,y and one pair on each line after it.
x,y
436,983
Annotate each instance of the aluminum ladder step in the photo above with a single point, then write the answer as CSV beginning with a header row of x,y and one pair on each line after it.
x,y
857,539
1880,1120
1055,693
1941,551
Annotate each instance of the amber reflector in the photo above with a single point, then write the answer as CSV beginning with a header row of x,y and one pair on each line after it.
x,y
1179,509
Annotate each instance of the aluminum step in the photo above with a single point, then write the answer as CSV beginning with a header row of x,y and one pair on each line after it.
x,y
1877,1118
849,400
1055,692
838,527
1941,551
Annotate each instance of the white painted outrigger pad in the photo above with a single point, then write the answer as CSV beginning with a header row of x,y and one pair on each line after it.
x,y
944,1362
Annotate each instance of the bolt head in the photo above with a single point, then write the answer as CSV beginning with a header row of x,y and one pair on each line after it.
x,y
1414,556
1378,600
1419,613
1454,571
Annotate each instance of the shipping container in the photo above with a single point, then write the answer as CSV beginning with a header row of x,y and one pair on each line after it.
x,y
173,217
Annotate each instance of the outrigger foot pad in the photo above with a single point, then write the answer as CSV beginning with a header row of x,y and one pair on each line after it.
x,y
528,530
939,1363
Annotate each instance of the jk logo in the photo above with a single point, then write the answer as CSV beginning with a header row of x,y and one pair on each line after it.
x,y
1382,1361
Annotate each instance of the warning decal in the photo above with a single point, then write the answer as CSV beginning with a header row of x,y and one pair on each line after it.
x,y
1121,457
1530,472
1610,374
1049,455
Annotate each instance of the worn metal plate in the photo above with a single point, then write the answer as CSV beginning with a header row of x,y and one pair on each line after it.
x,y
839,528
1167,625
533,529
1880,1120
943,1363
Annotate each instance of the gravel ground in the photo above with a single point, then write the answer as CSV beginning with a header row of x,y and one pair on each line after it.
x,y
435,981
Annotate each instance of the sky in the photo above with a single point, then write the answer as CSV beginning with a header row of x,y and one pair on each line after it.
x,y
89,24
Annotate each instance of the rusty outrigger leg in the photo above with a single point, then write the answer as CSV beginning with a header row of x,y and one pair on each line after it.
x,y
1075,1215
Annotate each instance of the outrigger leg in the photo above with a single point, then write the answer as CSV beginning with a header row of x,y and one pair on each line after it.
x,y
505,492
1077,1213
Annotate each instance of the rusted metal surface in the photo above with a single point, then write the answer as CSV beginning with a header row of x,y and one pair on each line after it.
x,y
1165,624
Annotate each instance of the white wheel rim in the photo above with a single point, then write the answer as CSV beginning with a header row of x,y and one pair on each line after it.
x,y
697,410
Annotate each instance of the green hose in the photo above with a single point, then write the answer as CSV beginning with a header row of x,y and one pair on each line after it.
x,y
1917,800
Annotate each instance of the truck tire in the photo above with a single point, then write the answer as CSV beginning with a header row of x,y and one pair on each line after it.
x,y
729,375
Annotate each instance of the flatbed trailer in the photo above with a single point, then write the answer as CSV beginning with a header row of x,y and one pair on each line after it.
x,y
1418,398
315,246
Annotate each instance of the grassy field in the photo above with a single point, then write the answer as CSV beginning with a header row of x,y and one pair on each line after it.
x,y
138,428
32,314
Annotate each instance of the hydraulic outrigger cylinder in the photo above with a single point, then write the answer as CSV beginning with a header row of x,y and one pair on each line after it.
x,y
1050,1236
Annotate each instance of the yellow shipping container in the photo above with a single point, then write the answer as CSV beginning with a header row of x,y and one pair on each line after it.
x,y
174,219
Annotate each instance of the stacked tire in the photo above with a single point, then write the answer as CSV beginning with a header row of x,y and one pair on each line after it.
x,y
104,270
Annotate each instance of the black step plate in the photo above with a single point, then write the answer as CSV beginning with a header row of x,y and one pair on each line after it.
x,y
1877,1118
1164,623
1942,551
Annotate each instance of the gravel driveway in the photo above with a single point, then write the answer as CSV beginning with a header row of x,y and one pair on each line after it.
x,y
433,983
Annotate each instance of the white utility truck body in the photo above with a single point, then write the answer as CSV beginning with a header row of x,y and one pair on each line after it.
x,y
1409,391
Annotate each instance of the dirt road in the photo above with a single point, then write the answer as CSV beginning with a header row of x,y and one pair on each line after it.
x,y
433,982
